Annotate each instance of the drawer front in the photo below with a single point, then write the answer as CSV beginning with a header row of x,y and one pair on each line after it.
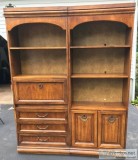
x,y
111,129
46,114
40,115
42,128
46,129
53,91
84,128
39,140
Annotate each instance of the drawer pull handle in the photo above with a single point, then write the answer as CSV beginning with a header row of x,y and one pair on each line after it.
x,y
40,85
84,118
40,116
111,119
43,140
42,128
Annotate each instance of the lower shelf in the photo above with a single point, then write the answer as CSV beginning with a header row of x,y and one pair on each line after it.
x,y
99,105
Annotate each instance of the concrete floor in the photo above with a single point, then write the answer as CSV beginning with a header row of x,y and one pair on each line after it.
x,y
6,96
8,138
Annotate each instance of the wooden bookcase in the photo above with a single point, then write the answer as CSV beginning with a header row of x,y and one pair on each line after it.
x,y
70,70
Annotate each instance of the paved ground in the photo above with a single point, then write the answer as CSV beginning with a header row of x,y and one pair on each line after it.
x,y
8,138
6,94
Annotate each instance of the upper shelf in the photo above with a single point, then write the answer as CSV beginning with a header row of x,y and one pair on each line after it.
x,y
100,46
36,48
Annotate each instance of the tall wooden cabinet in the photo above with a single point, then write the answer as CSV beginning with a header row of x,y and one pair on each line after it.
x,y
70,70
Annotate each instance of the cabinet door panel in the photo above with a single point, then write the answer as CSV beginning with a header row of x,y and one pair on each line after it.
x,y
85,125
111,129
84,128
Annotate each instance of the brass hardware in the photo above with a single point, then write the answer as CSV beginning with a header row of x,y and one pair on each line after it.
x,y
42,128
40,116
43,140
40,85
84,117
111,119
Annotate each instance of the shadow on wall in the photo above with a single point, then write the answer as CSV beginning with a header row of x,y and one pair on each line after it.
x,y
4,62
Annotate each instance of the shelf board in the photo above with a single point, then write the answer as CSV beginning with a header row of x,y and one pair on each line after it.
x,y
99,76
36,48
98,47
39,77
99,105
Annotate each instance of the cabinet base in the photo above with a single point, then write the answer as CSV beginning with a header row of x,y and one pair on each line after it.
x,y
59,150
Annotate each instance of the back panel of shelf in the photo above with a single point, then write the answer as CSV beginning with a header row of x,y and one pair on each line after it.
x,y
37,35
40,62
99,61
99,90
100,33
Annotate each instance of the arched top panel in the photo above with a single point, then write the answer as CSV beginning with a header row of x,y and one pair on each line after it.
x,y
13,22
104,22
126,19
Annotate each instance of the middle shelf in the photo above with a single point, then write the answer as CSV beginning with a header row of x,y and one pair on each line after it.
x,y
99,75
37,48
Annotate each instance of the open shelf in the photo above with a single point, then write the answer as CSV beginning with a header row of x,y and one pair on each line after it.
x,y
112,35
42,35
100,47
99,90
39,62
96,62
36,48
99,76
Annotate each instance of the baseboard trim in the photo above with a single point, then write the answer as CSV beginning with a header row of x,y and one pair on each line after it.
x,y
58,150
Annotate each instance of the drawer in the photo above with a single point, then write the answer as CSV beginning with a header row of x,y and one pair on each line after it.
x,y
48,91
47,129
37,140
42,128
84,128
45,114
111,129
40,115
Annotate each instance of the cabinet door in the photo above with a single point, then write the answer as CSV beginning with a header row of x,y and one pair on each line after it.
x,y
84,128
111,129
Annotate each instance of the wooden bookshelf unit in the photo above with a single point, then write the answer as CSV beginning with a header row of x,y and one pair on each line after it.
x,y
70,70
